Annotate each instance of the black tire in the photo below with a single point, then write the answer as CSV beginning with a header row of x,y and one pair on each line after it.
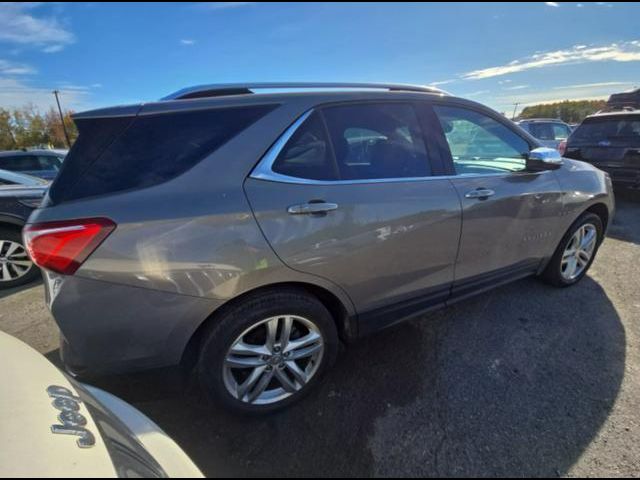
x,y
553,272
232,321
14,235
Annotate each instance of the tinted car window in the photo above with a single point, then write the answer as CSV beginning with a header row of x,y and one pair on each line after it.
x,y
147,150
308,153
479,144
374,141
20,163
614,130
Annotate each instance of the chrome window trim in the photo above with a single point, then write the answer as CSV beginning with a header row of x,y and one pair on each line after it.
x,y
264,169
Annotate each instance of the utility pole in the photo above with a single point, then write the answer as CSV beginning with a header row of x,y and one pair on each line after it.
x,y
64,127
515,108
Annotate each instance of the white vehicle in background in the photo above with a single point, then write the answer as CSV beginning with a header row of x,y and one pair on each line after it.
x,y
52,426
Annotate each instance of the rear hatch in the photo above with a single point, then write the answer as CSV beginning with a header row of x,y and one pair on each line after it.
x,y
610,142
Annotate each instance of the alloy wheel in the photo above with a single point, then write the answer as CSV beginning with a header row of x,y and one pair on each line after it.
x,y
14,261
579,251
273,359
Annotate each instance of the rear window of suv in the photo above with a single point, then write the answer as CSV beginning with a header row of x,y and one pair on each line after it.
x,y
617,130
116,154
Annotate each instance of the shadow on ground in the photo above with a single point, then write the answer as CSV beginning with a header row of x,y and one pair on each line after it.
x,y
514,383
626,224
11,291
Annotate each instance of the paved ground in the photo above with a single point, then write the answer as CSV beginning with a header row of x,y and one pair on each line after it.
x,y
523,381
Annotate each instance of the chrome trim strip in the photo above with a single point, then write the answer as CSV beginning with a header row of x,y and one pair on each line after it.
x,y
263,171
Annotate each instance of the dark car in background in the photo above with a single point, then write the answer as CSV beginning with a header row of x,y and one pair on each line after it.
x,y
38,163
611,142
19,195
549,132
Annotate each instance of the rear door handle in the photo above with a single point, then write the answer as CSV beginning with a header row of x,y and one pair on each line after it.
x,y
311,208
480,193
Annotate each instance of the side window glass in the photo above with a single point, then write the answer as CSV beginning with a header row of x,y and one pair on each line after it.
x,y
308,153
48,163
560,132
377,141
479,144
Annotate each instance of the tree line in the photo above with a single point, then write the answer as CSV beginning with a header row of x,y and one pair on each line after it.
x,y
27,127
569,111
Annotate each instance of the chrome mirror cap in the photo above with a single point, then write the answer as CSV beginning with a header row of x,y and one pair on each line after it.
x,y
548,156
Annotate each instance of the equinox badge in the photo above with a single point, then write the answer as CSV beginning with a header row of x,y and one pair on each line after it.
x,y
72,422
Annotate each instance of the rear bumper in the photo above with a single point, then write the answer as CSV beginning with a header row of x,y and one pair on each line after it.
x,y
107,328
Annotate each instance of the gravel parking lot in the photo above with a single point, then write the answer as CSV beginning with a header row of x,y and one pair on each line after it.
x,y
526,380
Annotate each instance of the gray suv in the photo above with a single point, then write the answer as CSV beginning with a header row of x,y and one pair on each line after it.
x,y
246,234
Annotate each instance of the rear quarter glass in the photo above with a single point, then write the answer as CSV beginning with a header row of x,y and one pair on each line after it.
x,y
126,153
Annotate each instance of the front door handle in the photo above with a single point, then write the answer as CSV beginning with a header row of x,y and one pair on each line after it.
x,y
312,208
480,193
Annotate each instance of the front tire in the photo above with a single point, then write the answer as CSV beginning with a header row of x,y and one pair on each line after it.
x,y
16,268
576,252
268,351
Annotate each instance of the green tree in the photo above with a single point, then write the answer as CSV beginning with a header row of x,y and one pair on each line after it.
x,y
27,127
570,111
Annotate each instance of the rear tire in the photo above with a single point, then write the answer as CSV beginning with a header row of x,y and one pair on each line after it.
x,y
268,351
14,271
567,268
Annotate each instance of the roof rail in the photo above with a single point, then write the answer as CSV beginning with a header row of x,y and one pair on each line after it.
x,y
224,89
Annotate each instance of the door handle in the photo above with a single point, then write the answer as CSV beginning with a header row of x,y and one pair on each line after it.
x,y
480,193
311,208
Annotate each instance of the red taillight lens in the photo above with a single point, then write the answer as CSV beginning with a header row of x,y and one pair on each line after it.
x,y
562,147
63,246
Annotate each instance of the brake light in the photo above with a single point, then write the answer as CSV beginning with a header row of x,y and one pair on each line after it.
x,y
562,148
63,247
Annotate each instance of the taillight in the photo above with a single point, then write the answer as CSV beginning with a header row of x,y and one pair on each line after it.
x,y
63,247
562,148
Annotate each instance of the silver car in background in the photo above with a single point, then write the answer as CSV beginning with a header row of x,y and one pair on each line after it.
x,y
548,131
246,234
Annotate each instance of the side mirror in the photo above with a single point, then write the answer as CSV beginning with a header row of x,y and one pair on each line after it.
x,y
541,159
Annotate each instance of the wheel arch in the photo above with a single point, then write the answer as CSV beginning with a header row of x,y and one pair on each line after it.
x,y
602,211
345,321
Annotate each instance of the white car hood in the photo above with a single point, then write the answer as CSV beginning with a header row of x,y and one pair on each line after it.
x,y
27,445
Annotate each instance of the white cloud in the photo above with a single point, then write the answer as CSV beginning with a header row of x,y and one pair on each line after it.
x,y
615,52
187,42
21,24
594,85
18,93
477,93
11,68
552,4
442,82
517,87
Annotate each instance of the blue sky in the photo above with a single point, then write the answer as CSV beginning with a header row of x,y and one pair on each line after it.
x,y
496,53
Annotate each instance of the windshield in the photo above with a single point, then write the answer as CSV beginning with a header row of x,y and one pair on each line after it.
x,y
614,130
